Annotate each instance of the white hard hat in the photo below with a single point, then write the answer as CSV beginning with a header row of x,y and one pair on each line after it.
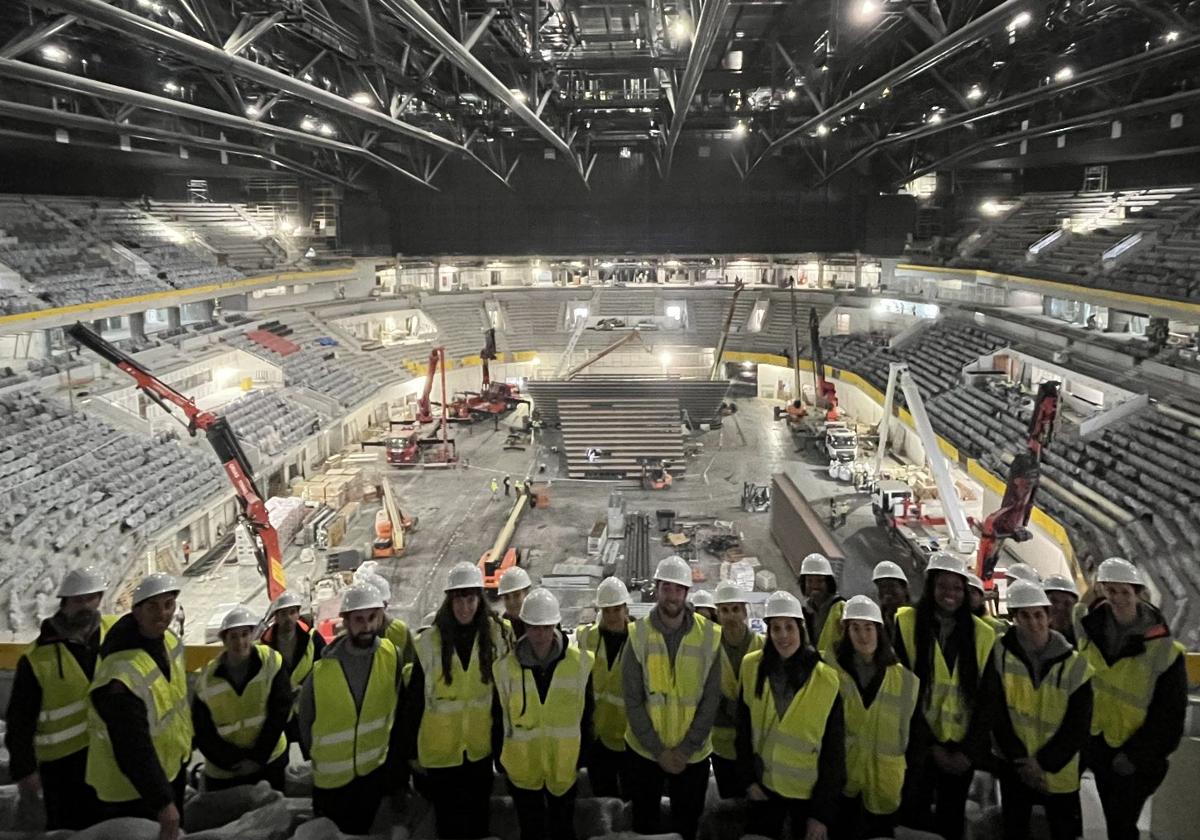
x,y
1119,570
1060,583
612,592
158,583
1022,571
674,569
862,608
540,608
361,596
85,581
285,601
816,564
514,580
729,592
973,580
366,567
379,582
944,561
1025,593
703,598
887,570
783,604
239,616
464,575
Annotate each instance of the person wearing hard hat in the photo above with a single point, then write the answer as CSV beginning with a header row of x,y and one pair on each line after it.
x,y
1022,571
891,588
948,649
242,704
879,699
47,736
545,690
347,717
977,598
1042,717
604,641
1064,596
736,641
451,704
822,606
514,586
139,724
1141,694
790,730
390,628
299,646
672,692
703,603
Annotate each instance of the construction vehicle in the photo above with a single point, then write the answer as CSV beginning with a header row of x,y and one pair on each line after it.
x,y
827,400
841,448
635,335
220,435
655,475
501,557
1010,521
494,397
443,453
391,527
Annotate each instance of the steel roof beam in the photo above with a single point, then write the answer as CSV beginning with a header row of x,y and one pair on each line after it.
x,y
711,15
238,41
36,37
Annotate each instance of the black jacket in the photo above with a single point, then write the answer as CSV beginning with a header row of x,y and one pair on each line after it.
x,y
222,753
25,702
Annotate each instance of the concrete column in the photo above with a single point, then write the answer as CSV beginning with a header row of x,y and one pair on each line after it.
x,y
39,344
1118,321
137,326
200,311
174,317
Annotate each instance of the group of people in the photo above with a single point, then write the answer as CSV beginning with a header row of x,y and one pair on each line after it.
x,y
847,718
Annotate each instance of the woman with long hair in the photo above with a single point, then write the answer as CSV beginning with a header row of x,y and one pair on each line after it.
x,y
879,697
790,736
948,648
453,707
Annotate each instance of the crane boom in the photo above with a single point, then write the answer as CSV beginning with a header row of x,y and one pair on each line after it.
x,y
424,406
713,374
223,441
620,342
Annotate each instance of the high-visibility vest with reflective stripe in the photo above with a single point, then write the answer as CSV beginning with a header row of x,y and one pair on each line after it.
x,y
1037,713
999,625
1124,689
831,630
397,633
347,744
723,736
789,744
673,690
946,708
877,735
239,718
62,721
541,740
167,713
608,716
458,713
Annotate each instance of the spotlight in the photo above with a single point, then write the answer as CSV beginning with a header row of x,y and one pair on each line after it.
x,y
55,54
740,130
680,30
975,93
626,153
1171,37
1063,74
790,95
363,98
822,130
252,111
308,124
520,95
867,10
1020,21
326,130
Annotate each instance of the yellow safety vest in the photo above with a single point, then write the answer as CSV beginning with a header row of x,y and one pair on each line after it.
x,y
723,737
999,625
789,744
673,690
458,714
608,716
397,633
877,736
945,708
541,740
1124,689
1037,713
167,713
831,630
239,718
346,743
62,722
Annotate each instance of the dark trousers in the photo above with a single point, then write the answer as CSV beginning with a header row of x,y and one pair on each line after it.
x,y
274,774
855,822
935,801
766,818
70,801
462,799
1018,801
726,774
138,808
353,806
1121,797
686,792
542,815
608,772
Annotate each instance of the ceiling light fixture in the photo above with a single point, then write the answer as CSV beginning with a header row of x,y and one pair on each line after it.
x,y
55,53
740,130
1063,74
326,130
975,93
867,10
822,130
252,111
363,98
680,30
1171,37
790,95
1021,20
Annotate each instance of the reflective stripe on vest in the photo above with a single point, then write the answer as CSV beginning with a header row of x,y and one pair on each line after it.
x,y
397,634
1037,713
832,630
541,740
239,718
167,714
458,714
723,734
349,743
62,722
608,716
877,736
946,710
789,745
1124,689
673,689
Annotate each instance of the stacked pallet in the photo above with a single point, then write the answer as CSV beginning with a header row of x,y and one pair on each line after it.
x,y
613,438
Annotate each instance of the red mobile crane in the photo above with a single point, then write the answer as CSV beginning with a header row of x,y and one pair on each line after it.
x,y
424,407
1010,520
223,441
826,391
495,397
